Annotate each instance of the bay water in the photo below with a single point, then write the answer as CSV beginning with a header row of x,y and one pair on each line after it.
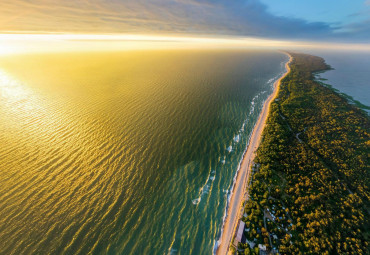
x,y
350,74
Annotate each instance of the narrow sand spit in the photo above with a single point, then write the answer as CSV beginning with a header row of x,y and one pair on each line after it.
x,y
240,192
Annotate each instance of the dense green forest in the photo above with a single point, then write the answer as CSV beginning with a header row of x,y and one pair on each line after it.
x,y
309,191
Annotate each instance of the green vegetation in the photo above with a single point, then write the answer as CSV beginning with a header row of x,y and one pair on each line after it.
x,y
309,193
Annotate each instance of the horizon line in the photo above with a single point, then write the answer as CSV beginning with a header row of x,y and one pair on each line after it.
x,y
13,42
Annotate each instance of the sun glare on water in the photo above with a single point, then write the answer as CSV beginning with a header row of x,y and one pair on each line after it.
x,y
5,49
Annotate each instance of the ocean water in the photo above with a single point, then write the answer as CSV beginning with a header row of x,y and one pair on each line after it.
x,y
124,152
350,74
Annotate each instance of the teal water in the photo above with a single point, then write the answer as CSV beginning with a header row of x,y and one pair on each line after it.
x,y
350,74
125,152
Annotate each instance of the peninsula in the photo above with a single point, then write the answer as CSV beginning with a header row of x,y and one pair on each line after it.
x,y
308,192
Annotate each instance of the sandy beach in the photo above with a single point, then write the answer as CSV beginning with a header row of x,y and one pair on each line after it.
x,y
240,192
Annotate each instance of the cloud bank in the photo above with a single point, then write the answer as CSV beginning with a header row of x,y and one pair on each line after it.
x,y
206,17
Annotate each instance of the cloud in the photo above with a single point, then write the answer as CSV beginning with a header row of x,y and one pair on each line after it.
x,y
252,18
213,17
359,31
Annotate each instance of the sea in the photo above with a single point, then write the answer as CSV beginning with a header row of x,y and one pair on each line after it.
x,y
127,152
350,74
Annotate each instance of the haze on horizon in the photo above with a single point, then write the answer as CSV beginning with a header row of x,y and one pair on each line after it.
x,y
241,22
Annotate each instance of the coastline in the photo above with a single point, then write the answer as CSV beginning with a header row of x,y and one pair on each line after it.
x,y
240,192
349,98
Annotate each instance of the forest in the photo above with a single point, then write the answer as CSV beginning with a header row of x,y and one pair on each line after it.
x,y
309,188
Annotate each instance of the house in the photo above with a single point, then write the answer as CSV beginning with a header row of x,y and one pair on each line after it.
x,y
269,216
262,249
240,237
251,244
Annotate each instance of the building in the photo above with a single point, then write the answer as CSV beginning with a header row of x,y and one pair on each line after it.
x,y
262,249
240,237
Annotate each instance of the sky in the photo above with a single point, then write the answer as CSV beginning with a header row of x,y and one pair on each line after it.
x,y
339,21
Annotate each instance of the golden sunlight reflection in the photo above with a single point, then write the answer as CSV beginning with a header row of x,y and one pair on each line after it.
x,y
21,106
10,89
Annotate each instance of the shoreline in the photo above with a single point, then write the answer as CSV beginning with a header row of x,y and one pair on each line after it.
x,y
240,192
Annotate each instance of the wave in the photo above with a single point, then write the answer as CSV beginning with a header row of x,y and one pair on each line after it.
x,y
230,148
236,138
196,201
229,192
205,188
110,142
222,160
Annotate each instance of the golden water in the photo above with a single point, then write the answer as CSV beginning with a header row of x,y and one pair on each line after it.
x,y
124,152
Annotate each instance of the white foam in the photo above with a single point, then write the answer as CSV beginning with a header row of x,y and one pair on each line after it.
x,y
223,160
196,201
229,192
236,138
206,186
215,246
172,251
205,189
230,148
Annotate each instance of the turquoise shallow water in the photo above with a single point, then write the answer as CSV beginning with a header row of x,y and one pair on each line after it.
x,y
125,152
